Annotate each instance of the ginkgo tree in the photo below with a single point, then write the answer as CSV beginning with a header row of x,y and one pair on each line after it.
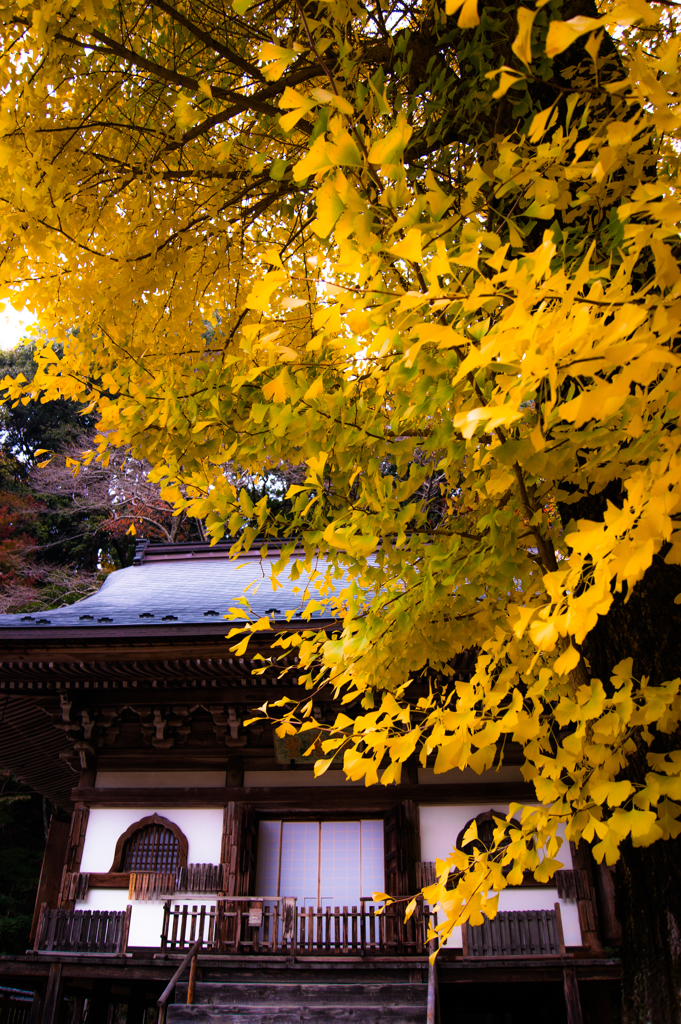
x,y
437,247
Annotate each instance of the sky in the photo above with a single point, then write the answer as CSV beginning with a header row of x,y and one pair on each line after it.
x,y
13,325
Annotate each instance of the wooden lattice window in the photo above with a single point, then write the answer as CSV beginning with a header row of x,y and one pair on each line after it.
x,y
153,844
153,848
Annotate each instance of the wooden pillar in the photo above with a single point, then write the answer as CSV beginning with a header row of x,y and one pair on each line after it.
x,y
611,929
52,1000
239,849
586,898
571,990
402,848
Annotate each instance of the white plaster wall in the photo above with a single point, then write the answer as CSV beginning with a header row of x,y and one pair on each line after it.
x,y
159,780
440,826
146,919
201,825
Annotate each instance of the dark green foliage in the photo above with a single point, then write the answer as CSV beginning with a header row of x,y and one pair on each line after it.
x,y
24,428
22,843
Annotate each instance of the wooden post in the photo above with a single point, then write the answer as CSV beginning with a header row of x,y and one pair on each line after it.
x,y
559,929
192,978
464,938
126,929
36,1007
77,1013
52,1001
51,870
605,893
571,990
39,927
431,1011
583,863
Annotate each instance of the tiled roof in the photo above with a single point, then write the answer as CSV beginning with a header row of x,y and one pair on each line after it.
x,y
193,588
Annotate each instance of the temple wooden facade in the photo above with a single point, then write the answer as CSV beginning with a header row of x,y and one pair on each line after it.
x,y
183,839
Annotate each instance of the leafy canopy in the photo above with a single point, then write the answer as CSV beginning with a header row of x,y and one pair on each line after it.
x,y
438,245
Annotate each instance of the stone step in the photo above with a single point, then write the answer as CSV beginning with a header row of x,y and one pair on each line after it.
x,y
318,1014
296,994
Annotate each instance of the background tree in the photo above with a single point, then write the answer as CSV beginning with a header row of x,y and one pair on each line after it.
x,y
60,532
439,245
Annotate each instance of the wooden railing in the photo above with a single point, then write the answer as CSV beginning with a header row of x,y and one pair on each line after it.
x,y
15,1006
251,926
82,931
516,933
190,959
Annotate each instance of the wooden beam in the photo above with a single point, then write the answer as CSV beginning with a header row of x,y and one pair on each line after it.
x,y
374,798
109,880
95,968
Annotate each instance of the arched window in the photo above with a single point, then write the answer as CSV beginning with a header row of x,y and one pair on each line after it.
x,y
486,826
153,844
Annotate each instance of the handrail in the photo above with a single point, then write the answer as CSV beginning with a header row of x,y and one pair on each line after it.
x,y
164,998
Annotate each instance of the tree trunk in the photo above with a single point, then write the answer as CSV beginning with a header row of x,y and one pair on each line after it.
x,y
648,894
646,628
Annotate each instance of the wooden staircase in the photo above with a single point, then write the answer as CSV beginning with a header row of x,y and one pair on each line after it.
x,y
301,1003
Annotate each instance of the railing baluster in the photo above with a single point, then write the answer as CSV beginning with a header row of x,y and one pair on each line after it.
x,y
310,928
320,929
354,928
165,926
110,932
93,936
255,935
183,927
237,927
345,929
176,919
327,944
275,927
59,925
419,932
73,938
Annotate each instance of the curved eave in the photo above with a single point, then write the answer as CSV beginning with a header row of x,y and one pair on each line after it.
x,y
160,631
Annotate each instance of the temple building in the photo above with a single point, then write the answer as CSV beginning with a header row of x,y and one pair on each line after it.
x,y
183,839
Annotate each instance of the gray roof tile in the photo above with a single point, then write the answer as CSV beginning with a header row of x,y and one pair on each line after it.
x,y
200,590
